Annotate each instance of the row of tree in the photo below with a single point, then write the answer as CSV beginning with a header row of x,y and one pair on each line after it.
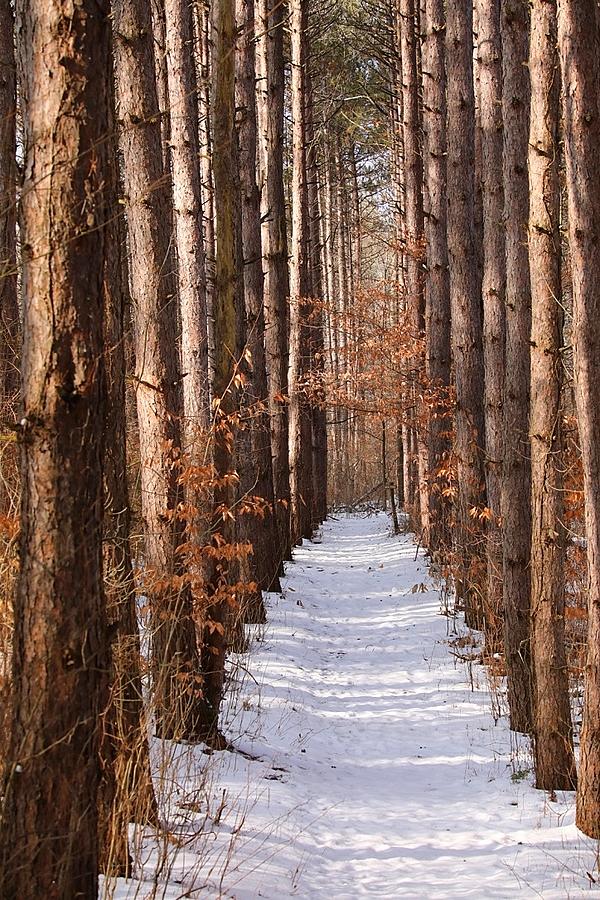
x,y
495,121
167,261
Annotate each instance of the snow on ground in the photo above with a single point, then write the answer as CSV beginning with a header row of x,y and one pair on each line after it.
x,y
378,768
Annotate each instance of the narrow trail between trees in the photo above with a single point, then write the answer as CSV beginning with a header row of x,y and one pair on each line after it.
x,y
398,781
377,768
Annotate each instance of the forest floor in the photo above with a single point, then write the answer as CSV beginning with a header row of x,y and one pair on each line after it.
x,y
375,764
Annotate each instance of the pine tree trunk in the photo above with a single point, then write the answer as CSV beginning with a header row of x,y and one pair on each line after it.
x,y
553,747
478,198
402,263
9,310
579,46
399,467
397,118
465,304
331,294
318,418
263,530
49,834
516,470
493,291
342,314
356,243
277,285
300,425
437,282
356,223
159,32
187,215
413,237
184,150
126,794
175,665
203,79
226,322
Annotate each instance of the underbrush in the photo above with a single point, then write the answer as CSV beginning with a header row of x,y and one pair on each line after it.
x,y
203,804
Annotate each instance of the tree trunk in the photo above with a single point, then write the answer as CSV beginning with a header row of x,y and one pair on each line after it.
x,y
553,748
437,282
318,417
356,223
263,530
331,294
397,150
222,599
356,243
277,287
342,305
187,210
188,220
184,150
203,78
413,238
493,292
9,310
579,47
478,198
126,793
465,304
300,427
49,831
401,255
399,467
516,470
159,44
177,700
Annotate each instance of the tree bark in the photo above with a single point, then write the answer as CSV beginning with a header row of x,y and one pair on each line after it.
x,y
578,42
263,530
159,44
203,78
553,748
277,286
318,417
300,427
9,310
437,279
465,303
410,491
177,698
226,322
188,219
331,295
187,214
126,793
516,470
342,308
413,239
493,293
49,829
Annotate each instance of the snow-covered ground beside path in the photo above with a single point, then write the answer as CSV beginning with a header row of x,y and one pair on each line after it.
x,y
378,770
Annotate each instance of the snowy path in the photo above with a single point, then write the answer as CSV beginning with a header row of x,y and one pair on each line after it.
x,y
380,772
